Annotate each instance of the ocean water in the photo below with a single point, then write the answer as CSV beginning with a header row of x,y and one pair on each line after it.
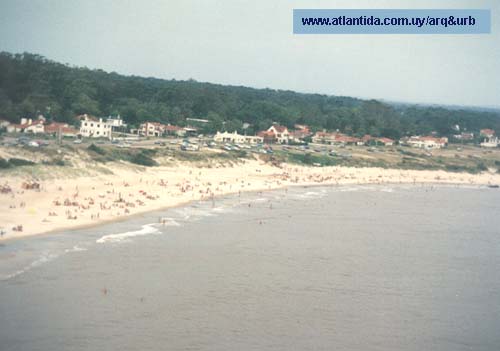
x,y
318,268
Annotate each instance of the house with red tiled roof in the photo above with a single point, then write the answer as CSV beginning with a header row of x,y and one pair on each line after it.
x,y
490,140
300,133
267,137
155,129
27,125
426,142
171,129
346,139
385,141
64,128
487,133
324,137
303,128
35,127
334,138
366,139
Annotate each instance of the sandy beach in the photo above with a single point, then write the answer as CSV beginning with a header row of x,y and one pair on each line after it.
x,y
57,204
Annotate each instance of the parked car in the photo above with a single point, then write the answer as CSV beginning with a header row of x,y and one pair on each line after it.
x,y
189,147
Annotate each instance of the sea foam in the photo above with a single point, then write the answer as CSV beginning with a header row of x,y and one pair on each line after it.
x,y
146,229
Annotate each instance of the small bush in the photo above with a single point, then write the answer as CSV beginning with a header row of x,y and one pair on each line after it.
x,y
20,162
96,149
143,159
56,162
4,163
482,167
456,168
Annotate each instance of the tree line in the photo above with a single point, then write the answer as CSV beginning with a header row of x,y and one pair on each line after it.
x,y
31,84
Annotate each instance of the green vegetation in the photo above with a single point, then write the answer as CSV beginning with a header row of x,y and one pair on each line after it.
x,y
141,157
31,84
56,162
310,159
4,163
14,162
96,149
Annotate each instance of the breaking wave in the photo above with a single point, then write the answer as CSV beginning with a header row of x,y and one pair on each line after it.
x,y
146,229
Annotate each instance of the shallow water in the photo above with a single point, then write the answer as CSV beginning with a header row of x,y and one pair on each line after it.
x,y
350,268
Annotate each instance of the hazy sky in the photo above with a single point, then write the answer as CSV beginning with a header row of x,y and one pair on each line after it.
x,y
251,43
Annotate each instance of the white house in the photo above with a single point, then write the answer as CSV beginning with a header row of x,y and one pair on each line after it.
x,y
427,142
4,123
35,127
236,138
92,127
116,122
27,125
490,142
281,133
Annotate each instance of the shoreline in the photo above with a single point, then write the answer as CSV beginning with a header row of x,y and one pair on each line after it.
x,y
183,187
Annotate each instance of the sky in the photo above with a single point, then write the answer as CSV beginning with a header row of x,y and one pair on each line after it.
x,y
251,43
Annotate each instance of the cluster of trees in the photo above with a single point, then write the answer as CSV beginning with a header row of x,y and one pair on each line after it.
x,y
31,84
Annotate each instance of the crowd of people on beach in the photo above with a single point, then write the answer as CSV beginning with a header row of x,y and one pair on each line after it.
x,y
107,199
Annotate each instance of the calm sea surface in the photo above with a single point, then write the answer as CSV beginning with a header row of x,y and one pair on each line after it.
x,y
339,268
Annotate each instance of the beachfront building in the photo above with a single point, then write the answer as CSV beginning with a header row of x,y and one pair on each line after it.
x,y
276,134
64,129
324,137
174,130
426,142
385,141
300,133
116,122
152,129
236,138
490,142
27,125
188,131
157,129
335,138
93,127
35,127
489,138
13,128
465,136
4,123
281,133
487,133
267,137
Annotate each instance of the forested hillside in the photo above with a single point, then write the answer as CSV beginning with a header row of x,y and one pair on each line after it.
x,y
31,84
